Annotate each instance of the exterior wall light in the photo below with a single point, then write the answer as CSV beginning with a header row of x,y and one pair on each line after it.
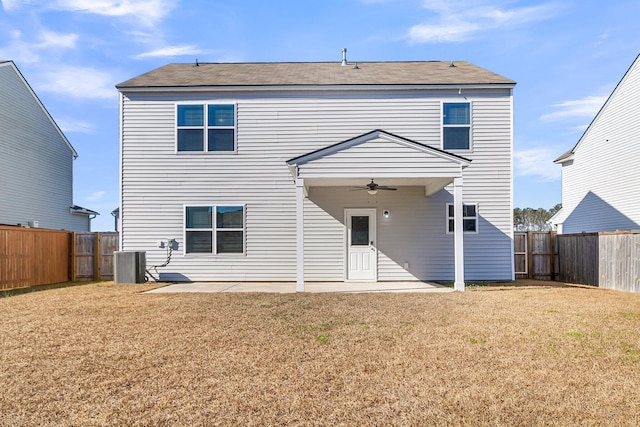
x,y
385,213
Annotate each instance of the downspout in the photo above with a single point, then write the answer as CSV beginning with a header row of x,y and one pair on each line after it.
x,y
121,137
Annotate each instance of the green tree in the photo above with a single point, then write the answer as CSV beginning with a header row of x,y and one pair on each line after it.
x,y
531,219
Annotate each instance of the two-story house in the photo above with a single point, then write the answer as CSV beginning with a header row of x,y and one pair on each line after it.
x,y
599,174
36,161
375,171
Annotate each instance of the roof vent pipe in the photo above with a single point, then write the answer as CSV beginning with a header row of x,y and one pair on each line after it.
x,y
344,57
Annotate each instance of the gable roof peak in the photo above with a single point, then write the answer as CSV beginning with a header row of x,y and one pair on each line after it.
x,y
26,84
634,67
376,134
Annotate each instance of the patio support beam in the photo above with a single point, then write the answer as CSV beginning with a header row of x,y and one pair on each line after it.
x,y
458,238
300,194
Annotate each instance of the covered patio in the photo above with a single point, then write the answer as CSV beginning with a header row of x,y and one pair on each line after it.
x,y
377,159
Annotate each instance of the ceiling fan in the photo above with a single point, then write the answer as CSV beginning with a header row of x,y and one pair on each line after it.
x,y
372,188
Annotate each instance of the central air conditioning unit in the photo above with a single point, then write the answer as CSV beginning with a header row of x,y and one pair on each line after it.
x,y
129,267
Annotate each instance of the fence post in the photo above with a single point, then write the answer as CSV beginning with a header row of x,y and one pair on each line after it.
x,y
552,250
529,255
97,275
73,257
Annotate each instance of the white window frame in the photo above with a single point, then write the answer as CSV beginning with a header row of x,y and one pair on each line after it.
x,y
214,229
205,127
450,218
443,126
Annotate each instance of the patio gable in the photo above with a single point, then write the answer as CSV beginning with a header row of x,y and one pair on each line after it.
x,y
389,159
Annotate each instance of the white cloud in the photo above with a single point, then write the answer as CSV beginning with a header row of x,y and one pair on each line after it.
x,y
69,125
579,128
457,21
94,197
20,53
585,107
28,52
13,4
602,37
171,51
537,162
145,12
451,32
78,82
50,39
143,37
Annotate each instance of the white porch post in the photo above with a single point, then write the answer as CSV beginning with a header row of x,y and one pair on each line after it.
x,y
299,235
458,241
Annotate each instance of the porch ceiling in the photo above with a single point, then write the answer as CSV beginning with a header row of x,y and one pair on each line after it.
x,y
431,185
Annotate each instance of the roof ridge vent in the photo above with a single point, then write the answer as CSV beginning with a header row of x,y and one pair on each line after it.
x,y
344,57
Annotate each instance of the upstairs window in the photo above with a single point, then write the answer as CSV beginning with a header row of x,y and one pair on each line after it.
x,y
469,218
203,128
456,126
214,229
190,128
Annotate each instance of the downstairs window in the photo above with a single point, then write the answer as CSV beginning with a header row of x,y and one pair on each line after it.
x,y
469,218
214,229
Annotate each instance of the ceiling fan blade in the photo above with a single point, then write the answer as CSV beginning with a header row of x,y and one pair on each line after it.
x,y
372,186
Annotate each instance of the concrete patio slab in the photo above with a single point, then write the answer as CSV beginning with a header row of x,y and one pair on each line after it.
x,y
312,287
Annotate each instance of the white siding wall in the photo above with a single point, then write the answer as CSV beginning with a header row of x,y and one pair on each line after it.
x,y
599,188
158,182
36,164
415,232
389,159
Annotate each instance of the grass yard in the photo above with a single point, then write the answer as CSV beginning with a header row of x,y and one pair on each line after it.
x,y
104,354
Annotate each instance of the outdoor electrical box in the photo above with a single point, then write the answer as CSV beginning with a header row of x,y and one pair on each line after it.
x,y
129,267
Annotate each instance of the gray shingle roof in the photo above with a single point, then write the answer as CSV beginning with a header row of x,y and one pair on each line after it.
x,y
564,156
315,73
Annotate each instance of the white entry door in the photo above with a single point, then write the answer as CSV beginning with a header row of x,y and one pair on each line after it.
x,y
362,255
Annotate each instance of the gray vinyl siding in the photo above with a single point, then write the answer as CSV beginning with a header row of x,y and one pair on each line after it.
x,y
272,128
36,163
599,187
406,236
386,158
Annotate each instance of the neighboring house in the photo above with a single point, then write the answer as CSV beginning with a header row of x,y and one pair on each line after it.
x,y
116,219
600,178
270,171
36,161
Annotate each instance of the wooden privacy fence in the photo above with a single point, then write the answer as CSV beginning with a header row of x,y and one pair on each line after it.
x,y
607,259
535,255
578,256
34,256
92,256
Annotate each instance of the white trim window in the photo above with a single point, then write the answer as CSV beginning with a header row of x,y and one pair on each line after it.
x,y
469,218
219,133
222,233
456,126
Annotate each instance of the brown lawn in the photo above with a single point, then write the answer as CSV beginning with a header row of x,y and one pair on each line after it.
x,y
104,354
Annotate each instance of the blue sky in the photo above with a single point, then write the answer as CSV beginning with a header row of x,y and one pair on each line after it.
x,y
567,56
